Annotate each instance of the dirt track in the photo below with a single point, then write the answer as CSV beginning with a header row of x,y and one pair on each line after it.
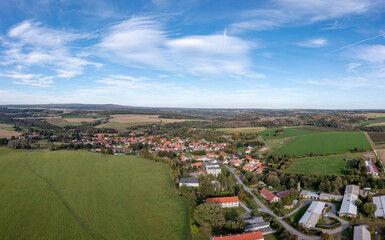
x,y
382,155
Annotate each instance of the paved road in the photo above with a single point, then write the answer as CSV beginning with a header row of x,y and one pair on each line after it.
x,y
263,208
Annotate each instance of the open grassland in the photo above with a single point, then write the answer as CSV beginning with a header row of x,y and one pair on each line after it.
x,y
375,122
289,132
325,143
80,120
322,165
241,130
381,153
84,116
123,121
4,133
81,195
57,121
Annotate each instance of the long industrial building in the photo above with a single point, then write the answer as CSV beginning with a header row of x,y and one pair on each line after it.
x,y
312,214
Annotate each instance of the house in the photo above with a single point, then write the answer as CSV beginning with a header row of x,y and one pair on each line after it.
x,y
241,236
253,161
255,224
183,158
330,197
198,164
380,203
312,215
189,182
308,194
281,194
269,196
213,168
361,233
253,220
371,168
348,206
225,202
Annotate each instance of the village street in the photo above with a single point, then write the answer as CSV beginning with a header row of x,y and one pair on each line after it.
x,y
263,208
332,213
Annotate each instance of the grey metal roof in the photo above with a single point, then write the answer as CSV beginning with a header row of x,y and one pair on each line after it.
x,y
361,233
189,180
380,203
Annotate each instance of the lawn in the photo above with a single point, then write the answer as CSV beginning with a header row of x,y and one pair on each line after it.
x,y
81,195
271,236
298,215
322,165
241,130
289,132
233,213
325,143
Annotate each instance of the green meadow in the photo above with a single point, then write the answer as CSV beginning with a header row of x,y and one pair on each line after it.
x,y
325,143
83,195
268,134
322,165
377,120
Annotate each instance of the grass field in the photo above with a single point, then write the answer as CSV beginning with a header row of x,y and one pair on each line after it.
x,y
241,130
325,143
83,196
57,121
123,121
4,133
322,165
298,215
378,120
84,116
289,132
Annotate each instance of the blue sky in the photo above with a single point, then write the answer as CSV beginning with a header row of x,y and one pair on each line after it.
x,y
196,53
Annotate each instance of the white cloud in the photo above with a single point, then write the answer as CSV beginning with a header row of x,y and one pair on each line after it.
x,y
369,53
142,42
37,80
351,67
30,44
313,43
344,83
298,12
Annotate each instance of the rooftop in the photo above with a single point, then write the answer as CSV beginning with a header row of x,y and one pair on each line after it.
x,y
244,236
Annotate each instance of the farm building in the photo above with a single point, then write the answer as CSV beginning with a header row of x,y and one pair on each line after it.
x,y
225,202
312,215
256,226
249,167
253,220
371,168
308,194
380,203
281,194
361,233
189,182
269,196
330,197
348,206
241,236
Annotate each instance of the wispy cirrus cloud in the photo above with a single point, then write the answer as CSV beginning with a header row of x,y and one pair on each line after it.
x,y
30,44
313,43
142,42
281,13
36,80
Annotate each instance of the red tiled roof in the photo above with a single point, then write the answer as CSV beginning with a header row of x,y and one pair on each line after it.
x,y
268,194
245,236
223,199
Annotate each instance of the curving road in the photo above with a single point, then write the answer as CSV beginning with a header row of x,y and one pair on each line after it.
x,y
263,208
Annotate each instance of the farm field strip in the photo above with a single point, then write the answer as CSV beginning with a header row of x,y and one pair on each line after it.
x,y
241,130
289,132
4,133
322,165
325,143
117,197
